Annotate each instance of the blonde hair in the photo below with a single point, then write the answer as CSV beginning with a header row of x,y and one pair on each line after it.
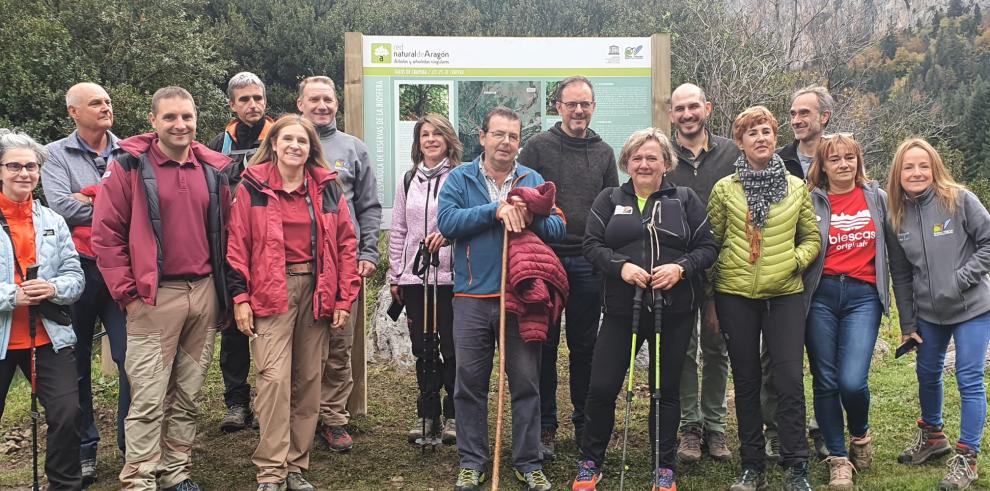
x,y
639,138
945,187
817,178
266,152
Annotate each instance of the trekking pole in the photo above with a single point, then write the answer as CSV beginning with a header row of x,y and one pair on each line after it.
x,y
32,273
426,368
497,460
637,305
657,327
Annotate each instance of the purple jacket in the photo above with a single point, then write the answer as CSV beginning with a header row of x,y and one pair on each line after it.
x,y
408,219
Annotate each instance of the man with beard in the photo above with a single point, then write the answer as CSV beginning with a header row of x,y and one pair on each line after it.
x,y
703,159
580,164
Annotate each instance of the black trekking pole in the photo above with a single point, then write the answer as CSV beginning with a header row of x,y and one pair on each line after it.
x,y
657,327
428,402
32,273
637,305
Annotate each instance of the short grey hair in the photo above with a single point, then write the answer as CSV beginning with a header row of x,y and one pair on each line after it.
x,y
12,140
241,80
825,101
639,138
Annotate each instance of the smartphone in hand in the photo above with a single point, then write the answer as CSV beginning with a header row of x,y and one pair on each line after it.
x,y
908,345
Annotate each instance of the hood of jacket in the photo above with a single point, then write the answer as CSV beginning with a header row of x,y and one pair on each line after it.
x,y
138,145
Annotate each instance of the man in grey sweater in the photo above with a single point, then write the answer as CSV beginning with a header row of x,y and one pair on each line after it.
x,y
580,164
349,157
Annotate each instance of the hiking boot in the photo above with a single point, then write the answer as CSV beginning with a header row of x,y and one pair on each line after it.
x,y
861,451
689,449
796,478
88,467
840,472
773,447
416,432
663,480
929,443
469,480
449,433
187,485
749,480
296,482
588,476
962,470
818,444
718,448
272,486
548,443
534,480
237,418
337,438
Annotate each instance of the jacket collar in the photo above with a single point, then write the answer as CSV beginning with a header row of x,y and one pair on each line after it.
x,y
73,141
327,130
140,144
589,138
267,121
257,176
667,187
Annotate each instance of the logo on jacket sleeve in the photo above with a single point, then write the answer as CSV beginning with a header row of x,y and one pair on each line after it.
x,y
944,228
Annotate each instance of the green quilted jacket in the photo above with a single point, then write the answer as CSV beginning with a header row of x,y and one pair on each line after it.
x,y
790,241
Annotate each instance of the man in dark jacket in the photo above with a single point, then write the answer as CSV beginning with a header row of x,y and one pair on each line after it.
x,y
240,141
72,176
703,159
811,111
159,239
574,157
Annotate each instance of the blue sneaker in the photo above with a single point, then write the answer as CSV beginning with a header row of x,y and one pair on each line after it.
x,y
588,476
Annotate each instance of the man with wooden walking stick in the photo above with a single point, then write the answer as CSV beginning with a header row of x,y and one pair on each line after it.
x,y
475,212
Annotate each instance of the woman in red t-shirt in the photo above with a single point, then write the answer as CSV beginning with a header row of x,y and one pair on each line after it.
x,y
846,292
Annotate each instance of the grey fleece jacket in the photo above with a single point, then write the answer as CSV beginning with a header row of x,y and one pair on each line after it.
x,y
701,173
580,168
876,202
940,260
349,157
70,168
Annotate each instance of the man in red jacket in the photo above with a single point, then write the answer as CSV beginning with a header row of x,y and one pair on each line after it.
x,y
158,234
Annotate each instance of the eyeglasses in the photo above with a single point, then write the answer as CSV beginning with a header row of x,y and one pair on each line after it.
x,y
573,105
15,167
501,135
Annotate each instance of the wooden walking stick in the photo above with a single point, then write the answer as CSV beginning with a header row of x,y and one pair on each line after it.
x,y
501,363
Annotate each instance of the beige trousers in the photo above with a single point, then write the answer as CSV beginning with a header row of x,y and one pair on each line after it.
x,y
288,354
166,366
338,380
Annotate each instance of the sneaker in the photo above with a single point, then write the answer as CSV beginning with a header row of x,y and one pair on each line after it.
x,y
718,448
469,480
796,478
773,447
449,433
236,419
272,486
840,472
88,467
534,480
929,443
861,451
962,470
296,482
818,444
588,476
416,432
187,485
749,480
663,480
548,443
689,449
337,438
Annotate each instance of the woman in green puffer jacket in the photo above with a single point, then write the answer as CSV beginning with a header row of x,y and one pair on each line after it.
x,y
764,222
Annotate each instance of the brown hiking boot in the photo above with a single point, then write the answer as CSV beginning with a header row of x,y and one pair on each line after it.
x,y
861,451
717,446
962,470
930,443
689,450
840,472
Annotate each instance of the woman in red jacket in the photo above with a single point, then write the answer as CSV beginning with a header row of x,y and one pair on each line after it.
x,y
293,275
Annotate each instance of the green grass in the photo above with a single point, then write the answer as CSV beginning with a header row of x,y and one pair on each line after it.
x,y
382,459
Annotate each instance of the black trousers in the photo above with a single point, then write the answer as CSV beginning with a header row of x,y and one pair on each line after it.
x,y
58,393
412,295
609,365
780,320
235,364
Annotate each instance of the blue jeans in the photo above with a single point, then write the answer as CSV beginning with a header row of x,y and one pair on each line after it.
x,y
972,338
841,332
582,312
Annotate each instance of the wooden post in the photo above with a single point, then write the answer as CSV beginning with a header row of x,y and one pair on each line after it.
x,y
107,366
661,81
357,404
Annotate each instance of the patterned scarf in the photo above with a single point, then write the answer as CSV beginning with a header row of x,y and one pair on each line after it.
x,y
763,188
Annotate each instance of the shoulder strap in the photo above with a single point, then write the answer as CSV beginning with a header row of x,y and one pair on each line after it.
x,y
407,180
6,229
228,143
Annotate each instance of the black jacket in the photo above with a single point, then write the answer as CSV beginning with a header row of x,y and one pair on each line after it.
x,y
701,173
789,154
616,234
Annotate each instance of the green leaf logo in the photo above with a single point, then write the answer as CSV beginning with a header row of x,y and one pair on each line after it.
x,y
381,53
